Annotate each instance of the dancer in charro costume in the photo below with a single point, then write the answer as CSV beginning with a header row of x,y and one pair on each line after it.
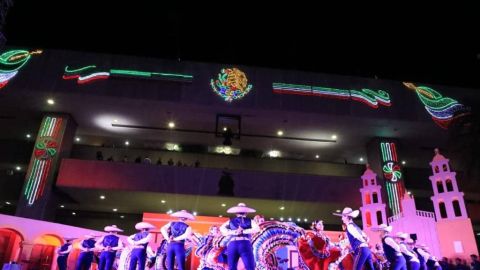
x,y
139,243
358,240
63,252
391,248
176,233
241,228
85,258
109,244
413,263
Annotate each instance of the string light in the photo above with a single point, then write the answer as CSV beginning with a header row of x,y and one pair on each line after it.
x,y
372,98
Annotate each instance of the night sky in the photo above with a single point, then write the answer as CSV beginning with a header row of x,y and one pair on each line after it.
x,y
437,45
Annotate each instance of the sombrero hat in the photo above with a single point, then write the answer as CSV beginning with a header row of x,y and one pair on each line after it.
x,y
348,212
183,214
382,227
144,225
402,235
240,208
112,228
90,236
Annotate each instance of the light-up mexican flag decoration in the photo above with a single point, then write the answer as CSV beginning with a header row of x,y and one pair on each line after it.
x,y
372,98
231,84
442,109
11,62
392,175
44,154
91,73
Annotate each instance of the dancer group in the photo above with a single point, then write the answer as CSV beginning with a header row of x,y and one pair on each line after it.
x,y
224,246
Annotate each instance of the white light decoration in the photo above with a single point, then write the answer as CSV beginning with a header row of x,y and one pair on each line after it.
x,y
172,147
274,153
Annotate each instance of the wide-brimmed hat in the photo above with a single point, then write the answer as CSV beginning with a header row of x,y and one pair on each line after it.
x,y
240,208
183,214
144,225
112,228
69,238
90,236
382,228
402,235
348,212
410,241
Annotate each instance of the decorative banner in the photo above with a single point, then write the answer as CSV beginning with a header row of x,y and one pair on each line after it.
x,y
393,175
90,73
442,109
231,84
372,98
11,61
45,151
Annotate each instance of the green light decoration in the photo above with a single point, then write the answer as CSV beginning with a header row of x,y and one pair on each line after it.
x,y
443,110
11,62
393,176
91,73
46,148
372,98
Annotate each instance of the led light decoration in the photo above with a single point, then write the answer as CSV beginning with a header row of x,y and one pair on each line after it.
x,y
46,148
372,98
12,61
393,175
231,84
443,110
91,73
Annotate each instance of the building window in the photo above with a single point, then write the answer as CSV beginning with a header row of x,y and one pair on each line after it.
x,y
436,169
374,197
456,208
445,168
379,217
440,187
449,185
366,182
443,210
368,218
372,181
368,200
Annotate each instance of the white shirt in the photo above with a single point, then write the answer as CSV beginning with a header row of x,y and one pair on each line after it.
x,y
99,244
142,241
362,237
404,250
389,241
227,232
185,235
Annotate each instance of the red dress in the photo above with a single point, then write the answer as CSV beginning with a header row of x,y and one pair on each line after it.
x,y
316,253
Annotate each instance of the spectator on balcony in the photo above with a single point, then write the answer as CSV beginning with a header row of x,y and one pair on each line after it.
x,y
197,164
159,161
99,155
226,184
147,160
110,158
170,162
138,159
125,159
179,163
